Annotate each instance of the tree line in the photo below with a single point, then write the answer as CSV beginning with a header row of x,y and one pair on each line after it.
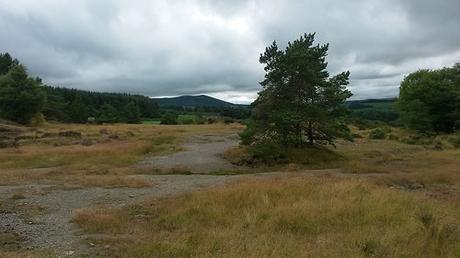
x,y
24,100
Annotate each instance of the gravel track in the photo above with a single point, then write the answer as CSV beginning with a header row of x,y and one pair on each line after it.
x,y
53,229
202,154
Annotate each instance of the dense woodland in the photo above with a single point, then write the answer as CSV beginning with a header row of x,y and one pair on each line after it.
x,y
71,105
25,100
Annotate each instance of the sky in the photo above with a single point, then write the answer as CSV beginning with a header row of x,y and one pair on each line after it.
x,y
169,48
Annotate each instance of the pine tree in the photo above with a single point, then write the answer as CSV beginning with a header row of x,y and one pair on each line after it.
x,y
21,97
132,114
6,63
78,112
299,102
108,114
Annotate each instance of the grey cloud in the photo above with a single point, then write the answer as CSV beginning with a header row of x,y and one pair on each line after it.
x,y
162,47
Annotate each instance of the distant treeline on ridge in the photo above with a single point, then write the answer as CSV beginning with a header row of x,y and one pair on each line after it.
x,y
71,105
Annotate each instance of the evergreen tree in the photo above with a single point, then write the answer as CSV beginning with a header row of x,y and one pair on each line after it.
x,y
78,112
6,63
131,113
108,114
21,97
299,102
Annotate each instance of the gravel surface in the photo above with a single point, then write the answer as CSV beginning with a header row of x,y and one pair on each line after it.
x,y
53,228
202,154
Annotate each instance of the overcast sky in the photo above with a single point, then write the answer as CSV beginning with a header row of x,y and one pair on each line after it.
x,y
168,48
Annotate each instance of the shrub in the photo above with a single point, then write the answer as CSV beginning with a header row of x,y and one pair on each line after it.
x,y
377,133
169,119
247,135
454,140
268,152
187,121
37,120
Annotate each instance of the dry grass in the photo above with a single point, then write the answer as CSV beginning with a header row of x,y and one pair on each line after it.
x,y
100,155
283,217
401,161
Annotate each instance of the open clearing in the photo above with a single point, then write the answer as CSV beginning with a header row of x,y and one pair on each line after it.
x,y
130,191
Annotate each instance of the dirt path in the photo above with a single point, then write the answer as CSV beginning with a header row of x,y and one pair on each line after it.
x,y
202,154
52,227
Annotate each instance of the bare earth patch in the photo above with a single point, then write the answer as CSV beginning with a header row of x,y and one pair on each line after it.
x,y
202,154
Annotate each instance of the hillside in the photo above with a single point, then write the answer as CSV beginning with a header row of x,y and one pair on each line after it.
x,y
193,101
374,109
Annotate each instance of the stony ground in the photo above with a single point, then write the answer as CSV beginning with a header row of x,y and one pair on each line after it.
x,y
52,227
40,216
201,155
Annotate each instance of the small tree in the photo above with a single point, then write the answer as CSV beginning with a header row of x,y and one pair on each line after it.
x,y
299,102
20,96
131,113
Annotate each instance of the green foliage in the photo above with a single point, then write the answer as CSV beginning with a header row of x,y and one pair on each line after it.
x,y
299,102
169,119
37,120
78,112
186,119
269,153
60,100
429,100
313,156
454,140
131,113
108,114
249,132
21,97
6,63
377,133
374,110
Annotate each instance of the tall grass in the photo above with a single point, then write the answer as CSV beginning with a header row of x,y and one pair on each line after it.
x,y
284,217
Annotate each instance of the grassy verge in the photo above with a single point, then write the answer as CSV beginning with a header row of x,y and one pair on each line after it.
x,y
283,217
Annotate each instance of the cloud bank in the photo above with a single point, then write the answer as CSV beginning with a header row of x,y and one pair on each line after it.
x,y
169,47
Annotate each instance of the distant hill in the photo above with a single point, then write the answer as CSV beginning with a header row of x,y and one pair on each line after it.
x,y
374,109
381,104
193,101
